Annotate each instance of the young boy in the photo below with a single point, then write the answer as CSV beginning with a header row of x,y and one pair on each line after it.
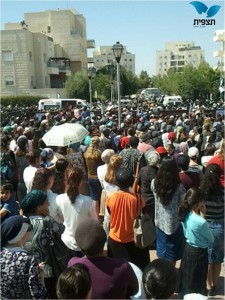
x,y
9,206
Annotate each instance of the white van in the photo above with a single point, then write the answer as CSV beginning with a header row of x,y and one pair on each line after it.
x,y
46,104
172,101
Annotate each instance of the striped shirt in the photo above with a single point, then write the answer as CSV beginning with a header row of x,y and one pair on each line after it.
x,y
215,207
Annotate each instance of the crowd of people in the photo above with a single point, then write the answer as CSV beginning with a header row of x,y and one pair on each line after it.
x,y
81,195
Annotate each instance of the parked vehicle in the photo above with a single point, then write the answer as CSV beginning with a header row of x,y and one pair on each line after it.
x,y
149,93
172,101
45,104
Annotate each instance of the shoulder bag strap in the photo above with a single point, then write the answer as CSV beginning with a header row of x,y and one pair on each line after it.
x,y
137,169
138,196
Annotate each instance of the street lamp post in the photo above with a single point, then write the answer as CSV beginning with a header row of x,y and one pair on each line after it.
x,y
117,51
91,73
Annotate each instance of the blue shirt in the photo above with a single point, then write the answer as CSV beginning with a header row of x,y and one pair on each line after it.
x,y
197,231
11,207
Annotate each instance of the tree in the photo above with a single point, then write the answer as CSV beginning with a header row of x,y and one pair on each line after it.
x,y
129,82
77,86
102,84
144,80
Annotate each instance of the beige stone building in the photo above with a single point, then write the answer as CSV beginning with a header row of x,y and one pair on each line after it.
x,y
40,53
103,56
177,55
67,28
219,37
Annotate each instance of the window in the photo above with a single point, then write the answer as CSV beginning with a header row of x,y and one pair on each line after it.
x,y
9,80
30,55
7,55
173,63
180,63
49,29
130,59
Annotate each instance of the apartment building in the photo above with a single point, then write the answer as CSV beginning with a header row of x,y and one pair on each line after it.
x,y
29,64
40,53
103,56
219,36
177,55
68,29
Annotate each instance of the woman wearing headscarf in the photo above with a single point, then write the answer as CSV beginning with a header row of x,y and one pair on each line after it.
x,y
22,163
21,276
35,205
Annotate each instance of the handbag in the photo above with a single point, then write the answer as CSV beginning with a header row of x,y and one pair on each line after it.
x,y
144,228
135,187
58,253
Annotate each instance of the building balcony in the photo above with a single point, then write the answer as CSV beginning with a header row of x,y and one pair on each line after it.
x,y
90,44
218,53
59,65
219,36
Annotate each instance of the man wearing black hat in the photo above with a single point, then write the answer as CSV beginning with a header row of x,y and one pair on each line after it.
x,y
112,278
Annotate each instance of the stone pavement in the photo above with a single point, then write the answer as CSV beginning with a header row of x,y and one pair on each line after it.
x,y
221,280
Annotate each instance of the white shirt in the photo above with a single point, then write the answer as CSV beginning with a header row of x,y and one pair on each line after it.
x,y
52,206
28,177
73,215
101,172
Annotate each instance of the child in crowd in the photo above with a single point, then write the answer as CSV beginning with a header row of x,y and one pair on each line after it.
x,y
194,264
74,283
159,279
9,207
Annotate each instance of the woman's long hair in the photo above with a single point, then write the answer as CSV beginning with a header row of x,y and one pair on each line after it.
x,y
167,180
74,176
193,196
59,180
115,163
41,179
93,149
211,181
33,156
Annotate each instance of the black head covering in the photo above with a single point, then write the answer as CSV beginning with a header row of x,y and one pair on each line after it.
x,y
32,200
10,228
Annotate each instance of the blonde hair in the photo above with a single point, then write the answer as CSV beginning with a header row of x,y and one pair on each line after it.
x,y
115,163
93,149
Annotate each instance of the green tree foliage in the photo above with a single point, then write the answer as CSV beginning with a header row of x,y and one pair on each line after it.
x,y
102,84
20,100
144,80
77,86
203,79
129,82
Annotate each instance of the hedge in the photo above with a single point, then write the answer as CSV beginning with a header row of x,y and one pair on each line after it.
x,y
26,100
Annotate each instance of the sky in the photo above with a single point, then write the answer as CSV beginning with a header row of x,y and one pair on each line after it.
x,y
143,26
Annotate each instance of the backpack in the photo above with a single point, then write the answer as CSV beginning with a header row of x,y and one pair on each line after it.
x,y
7,170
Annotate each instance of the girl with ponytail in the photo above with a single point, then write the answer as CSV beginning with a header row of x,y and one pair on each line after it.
x,y
74,208
194,264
